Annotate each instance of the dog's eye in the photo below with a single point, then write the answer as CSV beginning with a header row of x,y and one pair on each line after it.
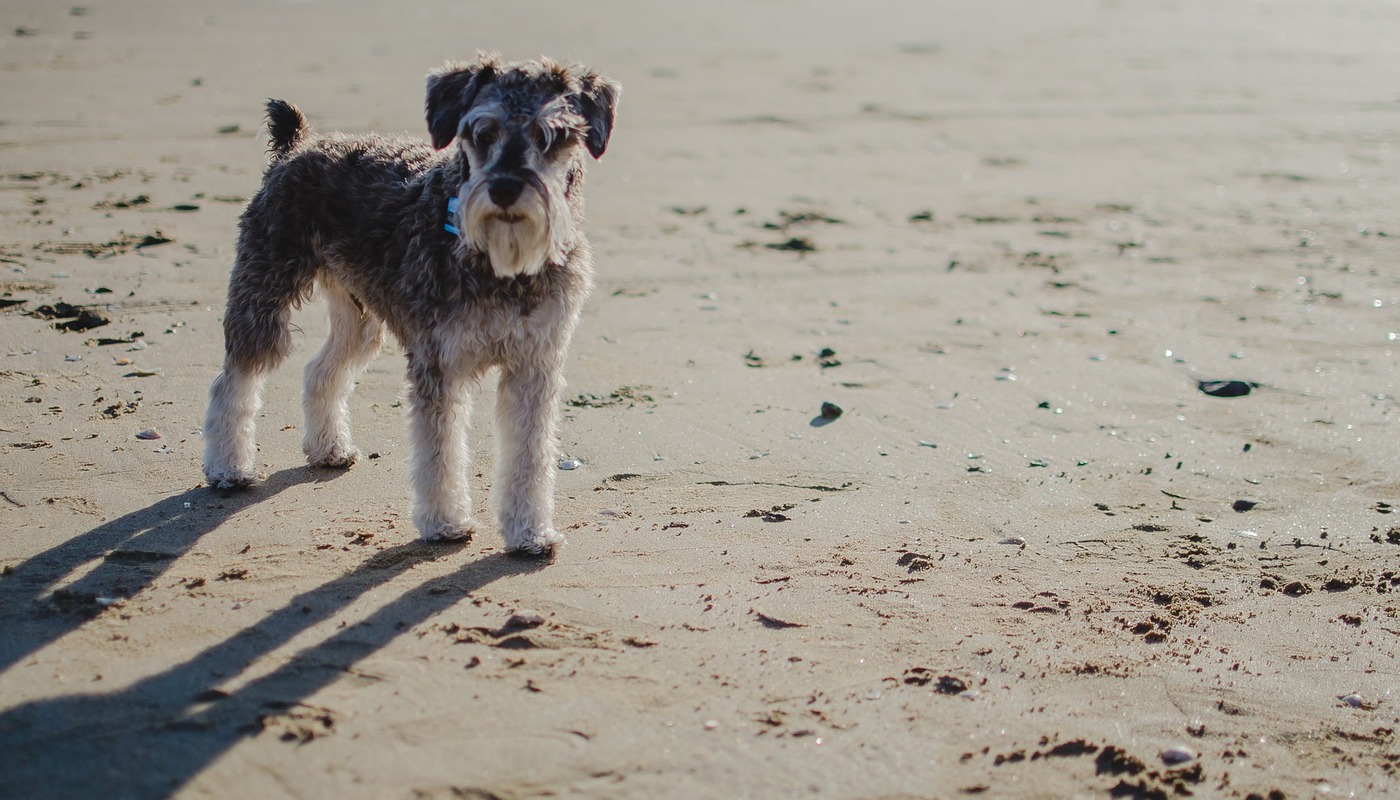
x,y
555,140
546,140
483,136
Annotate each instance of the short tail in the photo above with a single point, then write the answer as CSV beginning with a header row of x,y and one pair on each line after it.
x,y
286,128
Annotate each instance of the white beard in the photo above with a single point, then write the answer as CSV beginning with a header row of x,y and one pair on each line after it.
x,y
519,247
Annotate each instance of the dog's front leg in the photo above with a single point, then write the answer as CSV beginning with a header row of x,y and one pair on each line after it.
x,y
527,413
439,415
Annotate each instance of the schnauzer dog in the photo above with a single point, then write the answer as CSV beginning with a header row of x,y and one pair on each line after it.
x,y
474,258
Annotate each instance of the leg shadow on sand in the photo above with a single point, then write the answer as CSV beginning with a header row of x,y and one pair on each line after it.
x,y
150,738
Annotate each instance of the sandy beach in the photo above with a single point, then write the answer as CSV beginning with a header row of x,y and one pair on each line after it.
x,y
1013,242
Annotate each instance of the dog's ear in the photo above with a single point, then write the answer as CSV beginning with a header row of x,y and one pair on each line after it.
x,y
451,91
595,102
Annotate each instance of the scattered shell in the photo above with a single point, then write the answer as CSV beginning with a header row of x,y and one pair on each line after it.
x,y
144,373
711,724
1226,388
72,358
525,618
149,433
139,344
1177,754
570,463
1016,540
123,362
1354,700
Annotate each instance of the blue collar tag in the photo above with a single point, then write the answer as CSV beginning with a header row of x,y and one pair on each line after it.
x,y
453,203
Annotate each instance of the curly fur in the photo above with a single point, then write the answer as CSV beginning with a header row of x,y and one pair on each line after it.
x,y
363,218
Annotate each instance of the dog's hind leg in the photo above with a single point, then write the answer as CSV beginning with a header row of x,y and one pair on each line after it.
x,y
355,336
439,415
256,340
527,411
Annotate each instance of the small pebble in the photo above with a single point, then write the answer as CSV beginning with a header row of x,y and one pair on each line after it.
x,y
570,463
1354,700
1016,540
72,358
831,411
525,618
711,724
1226,388
1178,754
149,433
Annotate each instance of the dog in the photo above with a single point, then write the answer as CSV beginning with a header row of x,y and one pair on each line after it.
x,y
473,257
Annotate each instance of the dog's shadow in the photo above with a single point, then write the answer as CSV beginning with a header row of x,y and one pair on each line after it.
x,y
128,553
150,738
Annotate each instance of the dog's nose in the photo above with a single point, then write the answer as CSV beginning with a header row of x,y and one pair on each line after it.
x,y
505,191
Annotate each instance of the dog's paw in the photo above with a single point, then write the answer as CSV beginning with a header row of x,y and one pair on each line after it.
x,y
441,530
535,542
232,479
337,457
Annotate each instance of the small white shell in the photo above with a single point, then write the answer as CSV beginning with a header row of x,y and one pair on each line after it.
x,y
1177,754
570,463
1354,700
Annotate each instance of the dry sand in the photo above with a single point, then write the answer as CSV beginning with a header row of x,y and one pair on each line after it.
x,y
1014,567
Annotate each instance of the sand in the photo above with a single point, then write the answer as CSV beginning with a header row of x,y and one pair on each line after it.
x,y
1030,559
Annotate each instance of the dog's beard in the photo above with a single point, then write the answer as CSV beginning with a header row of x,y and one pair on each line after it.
x,y
518,241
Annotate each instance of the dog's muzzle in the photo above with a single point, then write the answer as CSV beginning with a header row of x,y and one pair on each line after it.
x,y
508,218
505,191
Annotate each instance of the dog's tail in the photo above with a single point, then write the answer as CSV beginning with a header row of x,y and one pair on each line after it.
x,y
286,128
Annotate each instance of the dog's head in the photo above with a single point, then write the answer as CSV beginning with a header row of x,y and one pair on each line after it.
x,y
522,129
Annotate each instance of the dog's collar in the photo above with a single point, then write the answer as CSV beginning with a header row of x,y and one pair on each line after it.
x,y
453,203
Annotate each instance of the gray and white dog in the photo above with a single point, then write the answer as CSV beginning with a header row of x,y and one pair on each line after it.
x,y
474,257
